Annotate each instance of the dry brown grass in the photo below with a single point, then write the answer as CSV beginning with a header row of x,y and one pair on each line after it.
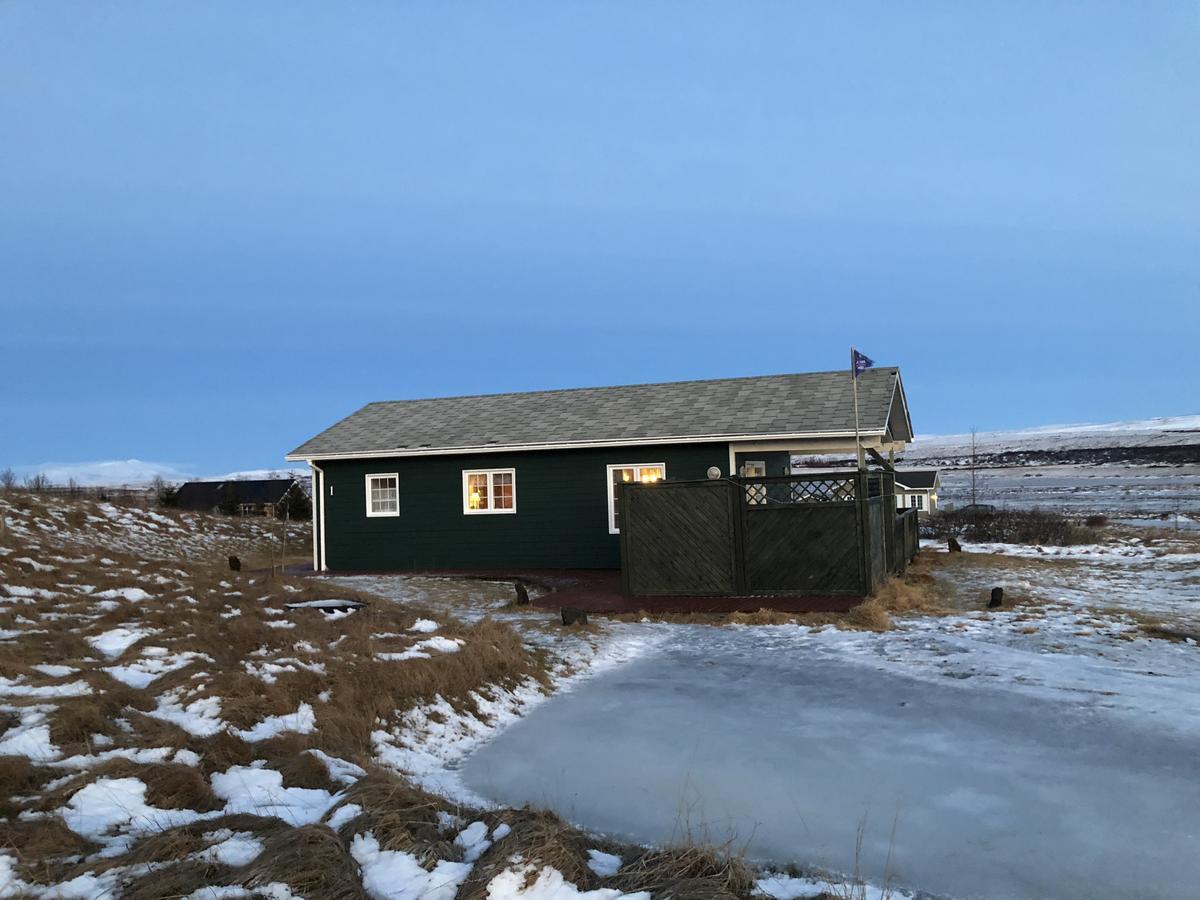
x,y
38,845
402,817
77,719
178,881
915,592
18,777
190,611
870,615
303,770
540,839
701,872
312,861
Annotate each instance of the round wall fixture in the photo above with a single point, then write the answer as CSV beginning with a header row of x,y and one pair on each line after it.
x,y
714,473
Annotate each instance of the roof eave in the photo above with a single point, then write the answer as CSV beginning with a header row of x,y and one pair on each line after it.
x,y
299,456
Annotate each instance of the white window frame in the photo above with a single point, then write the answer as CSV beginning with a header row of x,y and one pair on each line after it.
x,y
757,464
608,486
367,489
490,473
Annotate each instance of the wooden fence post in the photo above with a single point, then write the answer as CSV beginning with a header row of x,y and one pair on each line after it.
x,y
861,499
737,509
888,519
623,537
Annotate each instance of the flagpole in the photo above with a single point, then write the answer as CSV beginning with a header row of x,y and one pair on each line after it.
x,y
857,440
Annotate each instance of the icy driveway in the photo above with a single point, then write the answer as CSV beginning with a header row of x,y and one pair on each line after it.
x,y
1027,773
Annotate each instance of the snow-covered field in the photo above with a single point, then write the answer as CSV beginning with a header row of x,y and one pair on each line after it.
x,y
166,726
1167,431
1146,471
169,728
1049,750
151,533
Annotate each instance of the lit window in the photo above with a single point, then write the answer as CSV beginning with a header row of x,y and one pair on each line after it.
x,y
756,495
383,495
645,473
489,491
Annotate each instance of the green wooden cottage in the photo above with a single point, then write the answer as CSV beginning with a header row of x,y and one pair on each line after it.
x,y
529,480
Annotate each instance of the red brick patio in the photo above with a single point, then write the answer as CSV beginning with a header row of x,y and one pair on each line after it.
x,y
599,591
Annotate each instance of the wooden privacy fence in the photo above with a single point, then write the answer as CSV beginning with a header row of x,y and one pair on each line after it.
x,y
818,534
908,538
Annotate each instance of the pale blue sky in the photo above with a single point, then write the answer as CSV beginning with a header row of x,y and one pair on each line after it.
x,y
225,225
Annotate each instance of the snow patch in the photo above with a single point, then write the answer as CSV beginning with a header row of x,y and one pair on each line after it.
x,y
116,641
436,643
395,875
259,791
302,721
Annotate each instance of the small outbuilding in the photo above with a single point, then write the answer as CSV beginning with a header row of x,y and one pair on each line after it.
x,y
918,489
268,497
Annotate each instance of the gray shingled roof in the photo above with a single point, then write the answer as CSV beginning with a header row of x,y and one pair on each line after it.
x,y
205,495
812,403
917,479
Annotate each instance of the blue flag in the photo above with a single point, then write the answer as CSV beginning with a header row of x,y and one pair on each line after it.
x,y
862,362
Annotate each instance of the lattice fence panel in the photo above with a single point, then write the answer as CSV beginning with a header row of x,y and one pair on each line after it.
x,y
798,491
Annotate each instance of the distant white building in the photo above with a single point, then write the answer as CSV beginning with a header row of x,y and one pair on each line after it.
x,y
918,489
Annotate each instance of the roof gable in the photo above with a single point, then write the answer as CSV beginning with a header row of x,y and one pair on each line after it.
x,y
775,406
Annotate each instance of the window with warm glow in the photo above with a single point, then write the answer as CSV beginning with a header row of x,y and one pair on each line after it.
x,y
489,491
756,495
383,495
644,473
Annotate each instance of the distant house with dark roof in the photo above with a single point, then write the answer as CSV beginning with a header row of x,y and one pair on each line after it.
x,y
251,497
918,489
531,480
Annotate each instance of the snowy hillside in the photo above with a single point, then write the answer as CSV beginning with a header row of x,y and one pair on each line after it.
x,y
1165,440
1169,431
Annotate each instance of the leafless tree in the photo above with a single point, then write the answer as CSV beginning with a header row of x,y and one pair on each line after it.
x,y
8,479
37,483
163,492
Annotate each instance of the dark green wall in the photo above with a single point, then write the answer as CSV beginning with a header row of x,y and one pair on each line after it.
x,y
561,519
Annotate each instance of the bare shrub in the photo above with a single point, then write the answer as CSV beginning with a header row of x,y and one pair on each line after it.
x,y
868,616
37,483
164,493
1009,526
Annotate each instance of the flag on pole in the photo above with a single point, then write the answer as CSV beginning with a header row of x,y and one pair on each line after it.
x,y
862,362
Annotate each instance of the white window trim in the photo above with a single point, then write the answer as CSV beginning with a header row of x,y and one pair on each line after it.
x,y
608,486
367,489
467,511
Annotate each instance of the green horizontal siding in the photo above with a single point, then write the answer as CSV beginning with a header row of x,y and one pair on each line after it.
x,y
561,519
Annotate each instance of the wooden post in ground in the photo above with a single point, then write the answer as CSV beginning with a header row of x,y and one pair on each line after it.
x,y
861,494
